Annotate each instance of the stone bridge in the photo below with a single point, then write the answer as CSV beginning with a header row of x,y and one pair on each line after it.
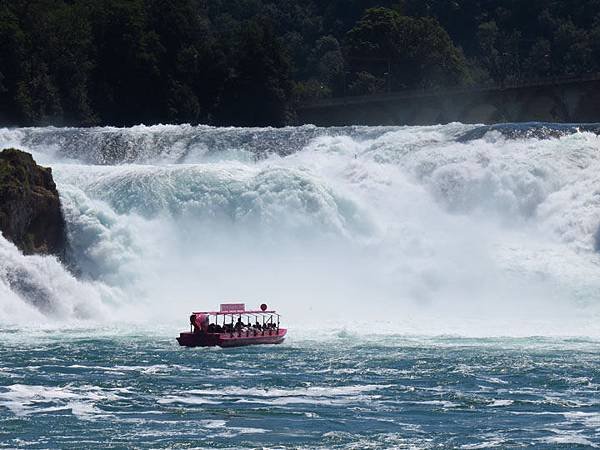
x,y
566,99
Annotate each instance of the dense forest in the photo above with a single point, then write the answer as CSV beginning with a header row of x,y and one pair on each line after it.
x,y
248,62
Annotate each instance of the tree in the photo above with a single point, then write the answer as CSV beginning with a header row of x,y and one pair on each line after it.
x,y
66,43
500,54
539,61
327,63
236,62
365,83
572,49
417,51
12,54
258,88
189,65
127,88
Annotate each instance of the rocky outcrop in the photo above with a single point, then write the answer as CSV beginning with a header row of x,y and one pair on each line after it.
x,y
30,212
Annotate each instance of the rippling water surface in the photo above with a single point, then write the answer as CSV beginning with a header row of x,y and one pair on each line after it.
x,y
106,388
453,230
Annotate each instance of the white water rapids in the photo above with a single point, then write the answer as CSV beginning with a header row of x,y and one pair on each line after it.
x,y
408,229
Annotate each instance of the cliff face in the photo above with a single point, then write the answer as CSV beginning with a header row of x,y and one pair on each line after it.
x,y
30,213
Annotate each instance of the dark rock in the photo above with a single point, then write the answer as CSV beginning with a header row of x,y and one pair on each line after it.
x,y
30,212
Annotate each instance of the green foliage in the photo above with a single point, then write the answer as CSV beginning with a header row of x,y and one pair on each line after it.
x,y
497,50
365,83
326,63
311,90
12,54
245,62
409,52
258,85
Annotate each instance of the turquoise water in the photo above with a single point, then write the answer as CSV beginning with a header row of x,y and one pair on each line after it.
x,y
410,232
119,389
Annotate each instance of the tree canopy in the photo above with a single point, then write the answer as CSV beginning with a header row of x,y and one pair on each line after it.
x,y
247,62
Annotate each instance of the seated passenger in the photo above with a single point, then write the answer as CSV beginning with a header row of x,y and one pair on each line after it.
x,y
239,324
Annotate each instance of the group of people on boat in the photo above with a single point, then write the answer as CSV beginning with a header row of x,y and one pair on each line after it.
x,y
240,326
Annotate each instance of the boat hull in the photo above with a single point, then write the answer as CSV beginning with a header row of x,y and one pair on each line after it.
x,y
235,339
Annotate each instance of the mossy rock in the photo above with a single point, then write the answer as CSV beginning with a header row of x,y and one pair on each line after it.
x,y
30,210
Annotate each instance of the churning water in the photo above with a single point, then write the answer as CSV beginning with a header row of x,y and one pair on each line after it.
x,y
413,265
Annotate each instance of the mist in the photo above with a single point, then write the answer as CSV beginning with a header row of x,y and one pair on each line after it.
x,y
370,230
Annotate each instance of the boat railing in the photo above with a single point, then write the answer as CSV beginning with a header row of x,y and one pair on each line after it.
x,y
254,332
270,323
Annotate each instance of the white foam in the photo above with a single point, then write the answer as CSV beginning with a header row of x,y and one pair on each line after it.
x,y
404,227
81,401
38,289
565,437
186,400
321,395
491,443
310,391
500,402
589,419
493,380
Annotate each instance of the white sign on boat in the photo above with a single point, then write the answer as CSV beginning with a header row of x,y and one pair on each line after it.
x,y
233,307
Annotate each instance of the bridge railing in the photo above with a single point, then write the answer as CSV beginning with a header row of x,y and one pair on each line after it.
x,y
421,93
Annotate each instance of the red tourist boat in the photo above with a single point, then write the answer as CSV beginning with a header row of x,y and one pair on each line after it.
x,y
233,326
